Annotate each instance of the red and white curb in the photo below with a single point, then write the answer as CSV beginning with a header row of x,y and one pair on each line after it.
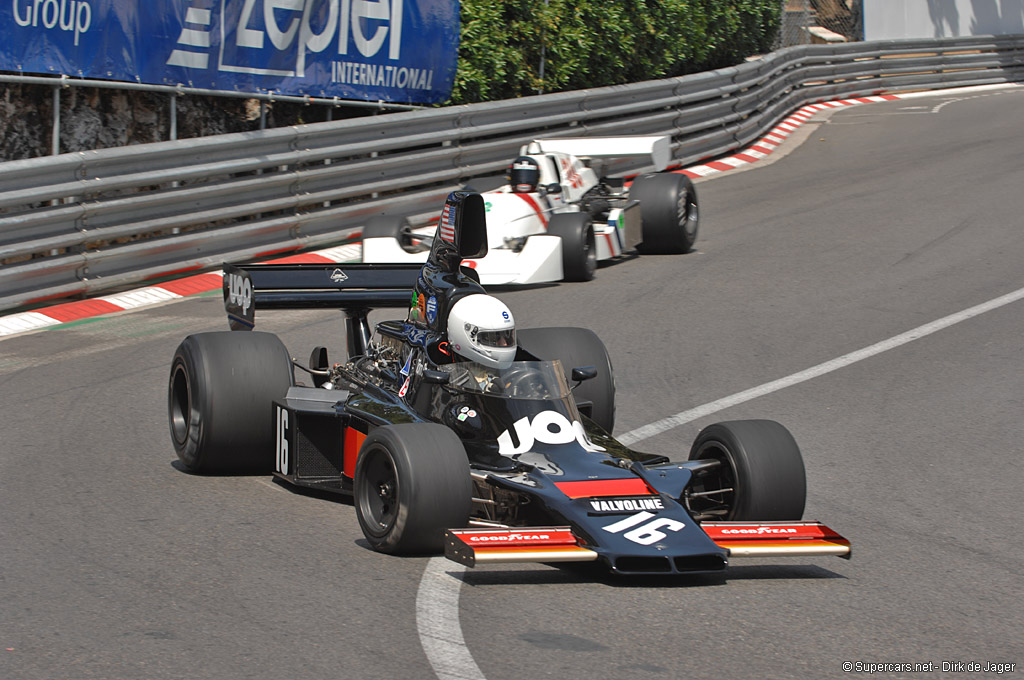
x,y
774,138
153,295
763,147
201,283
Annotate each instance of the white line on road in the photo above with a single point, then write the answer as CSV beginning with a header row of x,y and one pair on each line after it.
x,y
683,417
437,620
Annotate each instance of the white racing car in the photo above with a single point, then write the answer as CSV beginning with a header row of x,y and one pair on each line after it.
x,y
557,216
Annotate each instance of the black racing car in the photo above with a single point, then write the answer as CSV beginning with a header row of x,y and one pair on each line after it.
x,y
511,464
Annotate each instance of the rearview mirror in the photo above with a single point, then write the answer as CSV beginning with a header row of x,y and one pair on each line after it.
x,y
584,373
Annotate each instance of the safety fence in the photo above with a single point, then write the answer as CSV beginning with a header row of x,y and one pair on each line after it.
x,y
804,22
86,222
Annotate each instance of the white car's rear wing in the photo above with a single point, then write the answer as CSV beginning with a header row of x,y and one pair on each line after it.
x,y
659,149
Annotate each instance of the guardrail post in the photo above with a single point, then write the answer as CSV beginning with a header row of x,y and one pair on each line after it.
x,y
173,134
55,135
174,117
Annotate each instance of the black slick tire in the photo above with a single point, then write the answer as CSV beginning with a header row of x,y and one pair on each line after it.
x,y
669,210
220,400
576,347
760,462
579,249
411,483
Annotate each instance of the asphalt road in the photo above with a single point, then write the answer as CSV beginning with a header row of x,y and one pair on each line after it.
x,y
116,564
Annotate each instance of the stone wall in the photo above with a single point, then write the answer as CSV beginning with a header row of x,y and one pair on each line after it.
x,y
94,118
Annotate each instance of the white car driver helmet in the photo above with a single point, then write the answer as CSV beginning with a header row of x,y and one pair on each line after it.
x,y
524,175
481,329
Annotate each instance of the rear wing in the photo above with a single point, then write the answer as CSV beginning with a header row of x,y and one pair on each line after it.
x,y
352,287
658,149
358,288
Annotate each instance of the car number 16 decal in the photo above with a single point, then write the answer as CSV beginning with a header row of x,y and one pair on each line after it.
x,y
281,462
645,534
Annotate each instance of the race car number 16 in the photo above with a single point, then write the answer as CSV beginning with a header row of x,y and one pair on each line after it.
x,y
282,441
645,534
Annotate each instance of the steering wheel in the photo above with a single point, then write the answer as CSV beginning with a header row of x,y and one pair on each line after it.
x,y
525,383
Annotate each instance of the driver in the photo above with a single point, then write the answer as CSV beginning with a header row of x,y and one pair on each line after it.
x,y
482,330
524,175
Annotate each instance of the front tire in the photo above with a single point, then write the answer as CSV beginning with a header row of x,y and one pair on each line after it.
x,y
669,210
411,483
760,462
220,400
579,248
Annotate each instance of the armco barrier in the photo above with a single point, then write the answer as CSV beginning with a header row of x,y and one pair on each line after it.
x,y
80,223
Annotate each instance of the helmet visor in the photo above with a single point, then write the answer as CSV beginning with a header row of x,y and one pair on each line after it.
x,y
524,177
502,338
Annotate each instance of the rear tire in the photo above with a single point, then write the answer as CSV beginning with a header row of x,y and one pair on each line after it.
x,y
579,249
761,462
669,210
411,483
576,347
220,400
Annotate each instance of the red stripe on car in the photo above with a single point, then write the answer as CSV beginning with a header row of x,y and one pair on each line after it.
x,y
593,488
611,244
536,208
353,442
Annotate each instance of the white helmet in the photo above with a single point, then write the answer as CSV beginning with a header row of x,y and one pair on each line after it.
x,y
481,328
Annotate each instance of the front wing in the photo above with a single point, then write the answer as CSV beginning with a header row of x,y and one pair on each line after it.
x,y
471,547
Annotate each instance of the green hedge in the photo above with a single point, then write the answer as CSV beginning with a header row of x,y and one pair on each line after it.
x,y
591,43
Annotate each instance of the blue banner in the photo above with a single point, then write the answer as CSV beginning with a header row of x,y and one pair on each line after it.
x,y
389,50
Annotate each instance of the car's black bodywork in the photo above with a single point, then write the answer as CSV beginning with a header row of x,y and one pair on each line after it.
x,y
507,466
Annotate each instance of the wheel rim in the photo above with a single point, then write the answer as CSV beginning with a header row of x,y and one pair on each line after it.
x,y
378,492
686,213
180,405
712,495
691,220
590,254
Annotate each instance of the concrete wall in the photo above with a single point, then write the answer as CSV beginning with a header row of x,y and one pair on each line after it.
x,y
892,19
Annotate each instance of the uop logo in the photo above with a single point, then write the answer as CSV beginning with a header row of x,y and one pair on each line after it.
x,y
302,27
240,292
547,427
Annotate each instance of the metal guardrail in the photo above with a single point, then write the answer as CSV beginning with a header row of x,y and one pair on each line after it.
x,y
86,222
